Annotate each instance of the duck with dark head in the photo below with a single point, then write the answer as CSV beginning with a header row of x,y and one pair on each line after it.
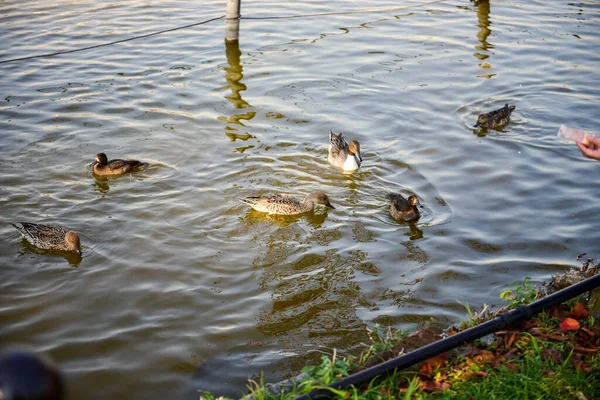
x,y
404,210
103,167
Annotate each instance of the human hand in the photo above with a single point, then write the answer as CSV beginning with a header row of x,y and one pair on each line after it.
x,y
590,147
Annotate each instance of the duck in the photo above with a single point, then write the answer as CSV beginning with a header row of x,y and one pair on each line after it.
x,y
344,155
495,119
25,374
103,167
404,210
286,204
50,237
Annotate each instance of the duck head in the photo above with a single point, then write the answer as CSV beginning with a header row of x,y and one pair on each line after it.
x,y
73,242
481,120
101,159
413,201
321,198
354,150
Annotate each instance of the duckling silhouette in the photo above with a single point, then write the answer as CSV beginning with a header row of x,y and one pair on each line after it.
x,y
286,204
344,155
50,237
402,209
495,119
103,167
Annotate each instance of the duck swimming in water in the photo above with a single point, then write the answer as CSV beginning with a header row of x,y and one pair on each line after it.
x,y
402,209
50,237
344,155
286,204
495,119
103,167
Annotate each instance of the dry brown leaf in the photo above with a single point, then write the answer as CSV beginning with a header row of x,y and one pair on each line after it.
x,y
484,356
474,373
513,367
555,337
435,362
579,311
511,339
584,350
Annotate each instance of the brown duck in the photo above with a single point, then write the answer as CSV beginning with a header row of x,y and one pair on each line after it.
x,y
286,204
103,167
404,210
495,119
50,237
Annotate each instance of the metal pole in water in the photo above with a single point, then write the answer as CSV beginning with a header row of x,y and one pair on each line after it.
x,y
232,20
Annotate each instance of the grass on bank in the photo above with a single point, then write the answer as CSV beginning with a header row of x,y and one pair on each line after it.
x,y
554,355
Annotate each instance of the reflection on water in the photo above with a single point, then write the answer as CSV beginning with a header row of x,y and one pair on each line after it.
x,y
234,78
71,257
483,18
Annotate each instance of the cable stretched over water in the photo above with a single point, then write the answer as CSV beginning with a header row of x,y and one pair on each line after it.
x,y
377,10
111,43
374,10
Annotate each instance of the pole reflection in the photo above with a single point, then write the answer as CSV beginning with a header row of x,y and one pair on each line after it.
x,y
234,76
483,18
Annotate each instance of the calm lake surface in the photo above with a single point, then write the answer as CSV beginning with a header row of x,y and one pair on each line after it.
x,y
181,287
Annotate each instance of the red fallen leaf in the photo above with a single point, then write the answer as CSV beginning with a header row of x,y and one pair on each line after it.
x,y
579,311
513,367
474,373
435,362
432,386
569,324
426,369
484,356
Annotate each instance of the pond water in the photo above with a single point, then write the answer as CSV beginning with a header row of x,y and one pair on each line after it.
x,y
182,287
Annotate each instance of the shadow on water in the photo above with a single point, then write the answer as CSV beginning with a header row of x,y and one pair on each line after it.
x,y
153,170
234,76
72,258
314,219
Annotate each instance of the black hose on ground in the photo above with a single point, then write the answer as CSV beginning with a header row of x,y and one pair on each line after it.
x,y
500,322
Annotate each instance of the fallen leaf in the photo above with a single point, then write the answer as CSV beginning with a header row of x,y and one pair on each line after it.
x,y
587,331
513,367
558,338
474,373
579,311
484,356
435,362
569,324
535,331
584,350
511,339
431,386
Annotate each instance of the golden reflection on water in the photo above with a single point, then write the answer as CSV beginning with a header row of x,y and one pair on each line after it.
x,y
234,76
483,18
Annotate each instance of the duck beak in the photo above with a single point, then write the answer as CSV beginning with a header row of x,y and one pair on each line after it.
x,y
329,205
358,156
476,125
